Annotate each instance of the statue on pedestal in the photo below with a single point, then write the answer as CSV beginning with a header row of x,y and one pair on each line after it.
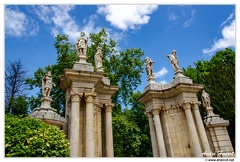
x,y
148,63
98,58
47,84
206,99
174,61
81,45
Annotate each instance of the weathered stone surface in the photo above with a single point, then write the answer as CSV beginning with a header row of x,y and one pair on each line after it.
x,y
83,66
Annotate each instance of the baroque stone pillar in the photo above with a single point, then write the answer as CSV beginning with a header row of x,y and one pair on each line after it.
x,y
153,135
74,127
200,127
192,130
109,133
159,133
90,149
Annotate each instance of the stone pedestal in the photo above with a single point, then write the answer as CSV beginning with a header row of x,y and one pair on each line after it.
x,y
151,79
219,135
83,66
178,73
48,114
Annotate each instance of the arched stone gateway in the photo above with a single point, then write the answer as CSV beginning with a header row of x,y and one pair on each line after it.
x,y
176,127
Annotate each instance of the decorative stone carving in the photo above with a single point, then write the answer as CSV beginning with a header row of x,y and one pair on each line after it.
x,y
155,111
47,84
148,63
109,107
206,99
81,45
90,96
207,103
98,59
74,97
174,61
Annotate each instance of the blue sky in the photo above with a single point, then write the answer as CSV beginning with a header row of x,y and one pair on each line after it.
x,y
194,31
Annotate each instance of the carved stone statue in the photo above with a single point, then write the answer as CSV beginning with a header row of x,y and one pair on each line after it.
x,y
81,45
47,84
174,61
148,63
98,58
206,99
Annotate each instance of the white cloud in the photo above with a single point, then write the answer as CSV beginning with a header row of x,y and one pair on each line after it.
x,y
172,16
127,16
60,20
231,16
161,73
227,40
189,21
17,24
163,82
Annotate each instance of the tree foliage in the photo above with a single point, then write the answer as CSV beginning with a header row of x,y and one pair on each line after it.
x,y
218,76
123,68
19,105
15,75
28,137
126,139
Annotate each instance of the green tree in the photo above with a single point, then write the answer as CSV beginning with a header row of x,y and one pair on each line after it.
x,y
137,115
123,68
28,137
19,106
218,76
126,139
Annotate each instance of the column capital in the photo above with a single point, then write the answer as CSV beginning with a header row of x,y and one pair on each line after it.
x,y
155,111
186,105
196,104
90,96
97,107
75,96
108,107
149,114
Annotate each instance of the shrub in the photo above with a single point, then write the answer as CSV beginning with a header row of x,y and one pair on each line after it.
x,y
28,137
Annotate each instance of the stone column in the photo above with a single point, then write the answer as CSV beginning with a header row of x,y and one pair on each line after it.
x,y
74,126
109,133
192,130
153,135
98,136
159,133
201,128
90,149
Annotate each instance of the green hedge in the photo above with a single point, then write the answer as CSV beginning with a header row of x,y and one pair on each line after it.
x,y
28,137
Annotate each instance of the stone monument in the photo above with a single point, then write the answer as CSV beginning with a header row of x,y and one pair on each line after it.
x,y
46,113
217,130
88,109
176,127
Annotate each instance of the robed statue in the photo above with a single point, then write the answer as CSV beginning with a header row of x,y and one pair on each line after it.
x,y
81,45
47,84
